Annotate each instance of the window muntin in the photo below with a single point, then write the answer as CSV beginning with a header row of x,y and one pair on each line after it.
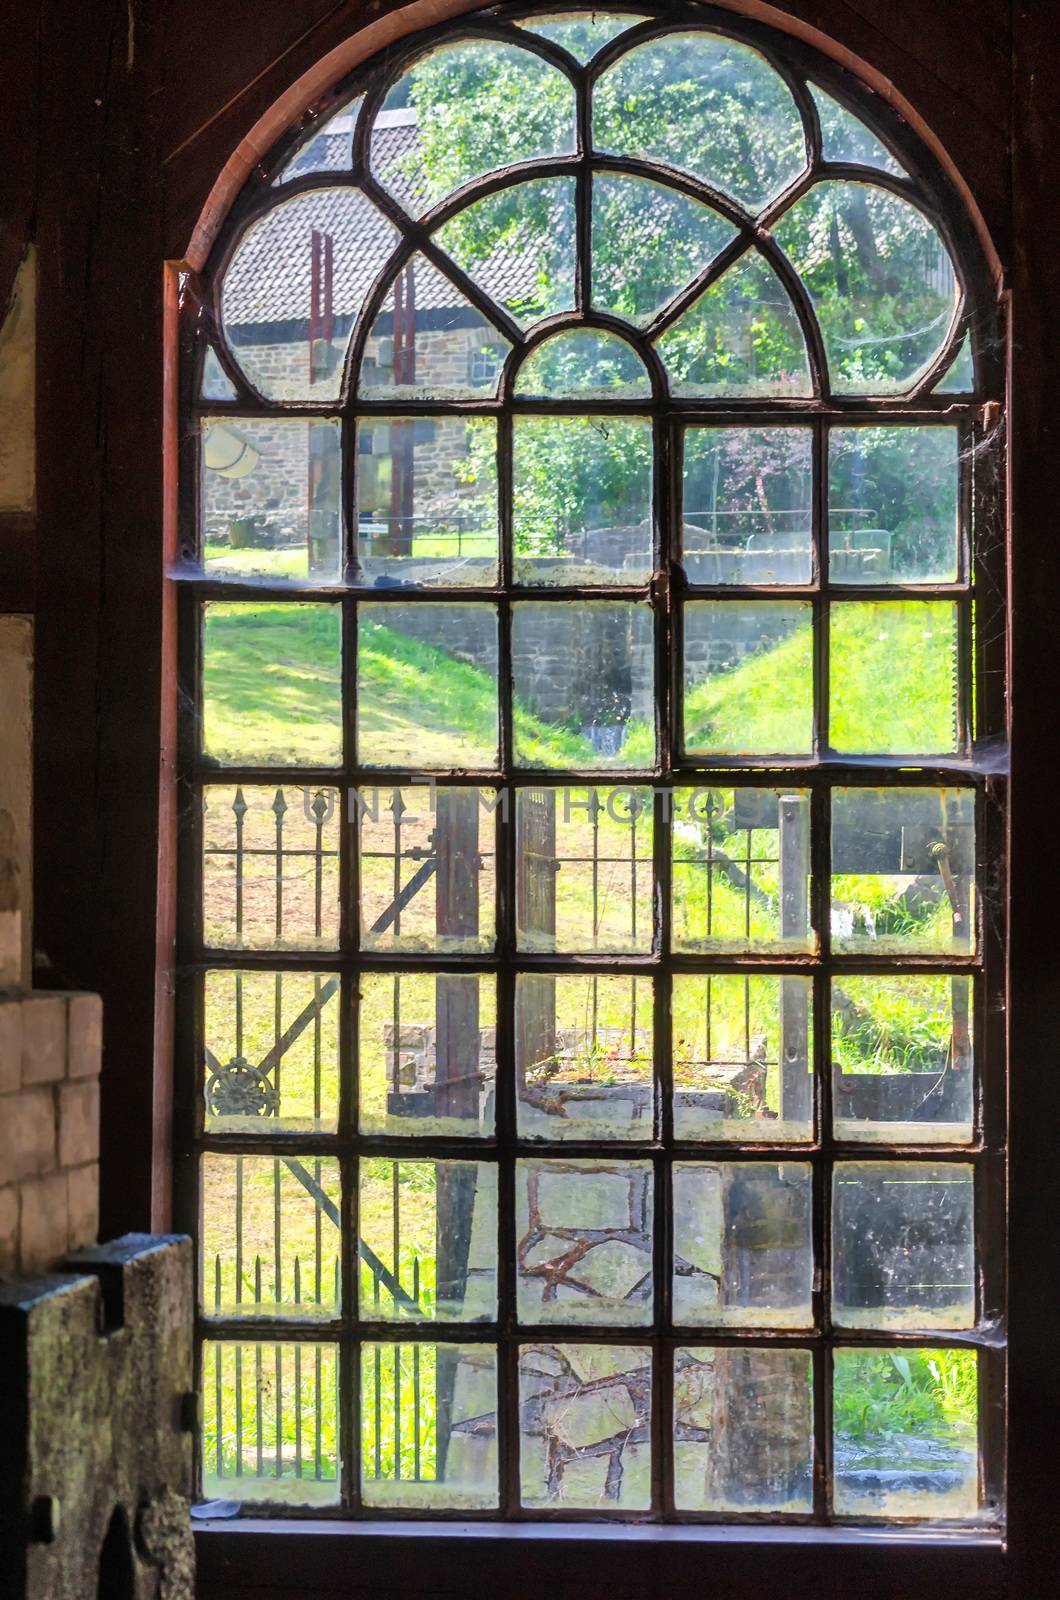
x,y
550,1061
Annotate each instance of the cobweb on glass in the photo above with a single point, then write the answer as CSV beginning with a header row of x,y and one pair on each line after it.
x,y
327,147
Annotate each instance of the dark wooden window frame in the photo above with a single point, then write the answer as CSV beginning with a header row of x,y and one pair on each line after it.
x,y
826,770
98,925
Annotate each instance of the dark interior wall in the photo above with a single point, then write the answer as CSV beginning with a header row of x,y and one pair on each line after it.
x,y
118,116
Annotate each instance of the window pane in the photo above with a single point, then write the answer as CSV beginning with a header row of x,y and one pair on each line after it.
x,y
428,1240
748,677
884,291
742,337
906,1424
845,138
427,686
427,500
583,1051
270,868
903,1242
902,1058
743,1055
893,677
272,690
582,35
582,500
429,342
585,1427
648,243
585,1242
747,513
427,1044
270,1236
743,1255
707,105
583,676
584,870
585,364
289,334
892,505
743,1430
429,1426
741,870
328,146
519,246
271,492
271,1423
428,868
524,109
903,871
271,1046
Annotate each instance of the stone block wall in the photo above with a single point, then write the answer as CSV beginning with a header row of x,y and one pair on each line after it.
x,y
50,1047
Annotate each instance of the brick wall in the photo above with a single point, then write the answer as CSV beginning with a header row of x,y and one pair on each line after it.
x,y
49,1127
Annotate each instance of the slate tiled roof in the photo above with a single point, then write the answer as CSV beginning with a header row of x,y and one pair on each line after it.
x,y
269,279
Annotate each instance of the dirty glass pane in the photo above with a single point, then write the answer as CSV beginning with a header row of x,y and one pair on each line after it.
x,y
464,110
428,868
270,867
902,1066
271,1052
427,686
269,1238
743,1057
884,292
741,870
427,1051
906,1433
743,1430
519,246
708,106
584,1250
327,146
741,337
271,491
428,341
583,1054
271,687
584,870
426,501
428,1240
270,1430
845,138
648,243
892,505
582,500
748,677
903,1244
585,1427
429,1426
960,377
893,677
293,289
903,871
583,35
215,385
747,512
583,679
743,1254
583,364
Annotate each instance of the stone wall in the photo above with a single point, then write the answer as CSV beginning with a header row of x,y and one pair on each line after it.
x,y
49,1127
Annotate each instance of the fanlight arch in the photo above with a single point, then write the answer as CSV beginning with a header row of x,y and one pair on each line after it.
x,y
580,412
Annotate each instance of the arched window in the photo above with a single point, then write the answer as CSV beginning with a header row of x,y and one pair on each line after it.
x,y
588,494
